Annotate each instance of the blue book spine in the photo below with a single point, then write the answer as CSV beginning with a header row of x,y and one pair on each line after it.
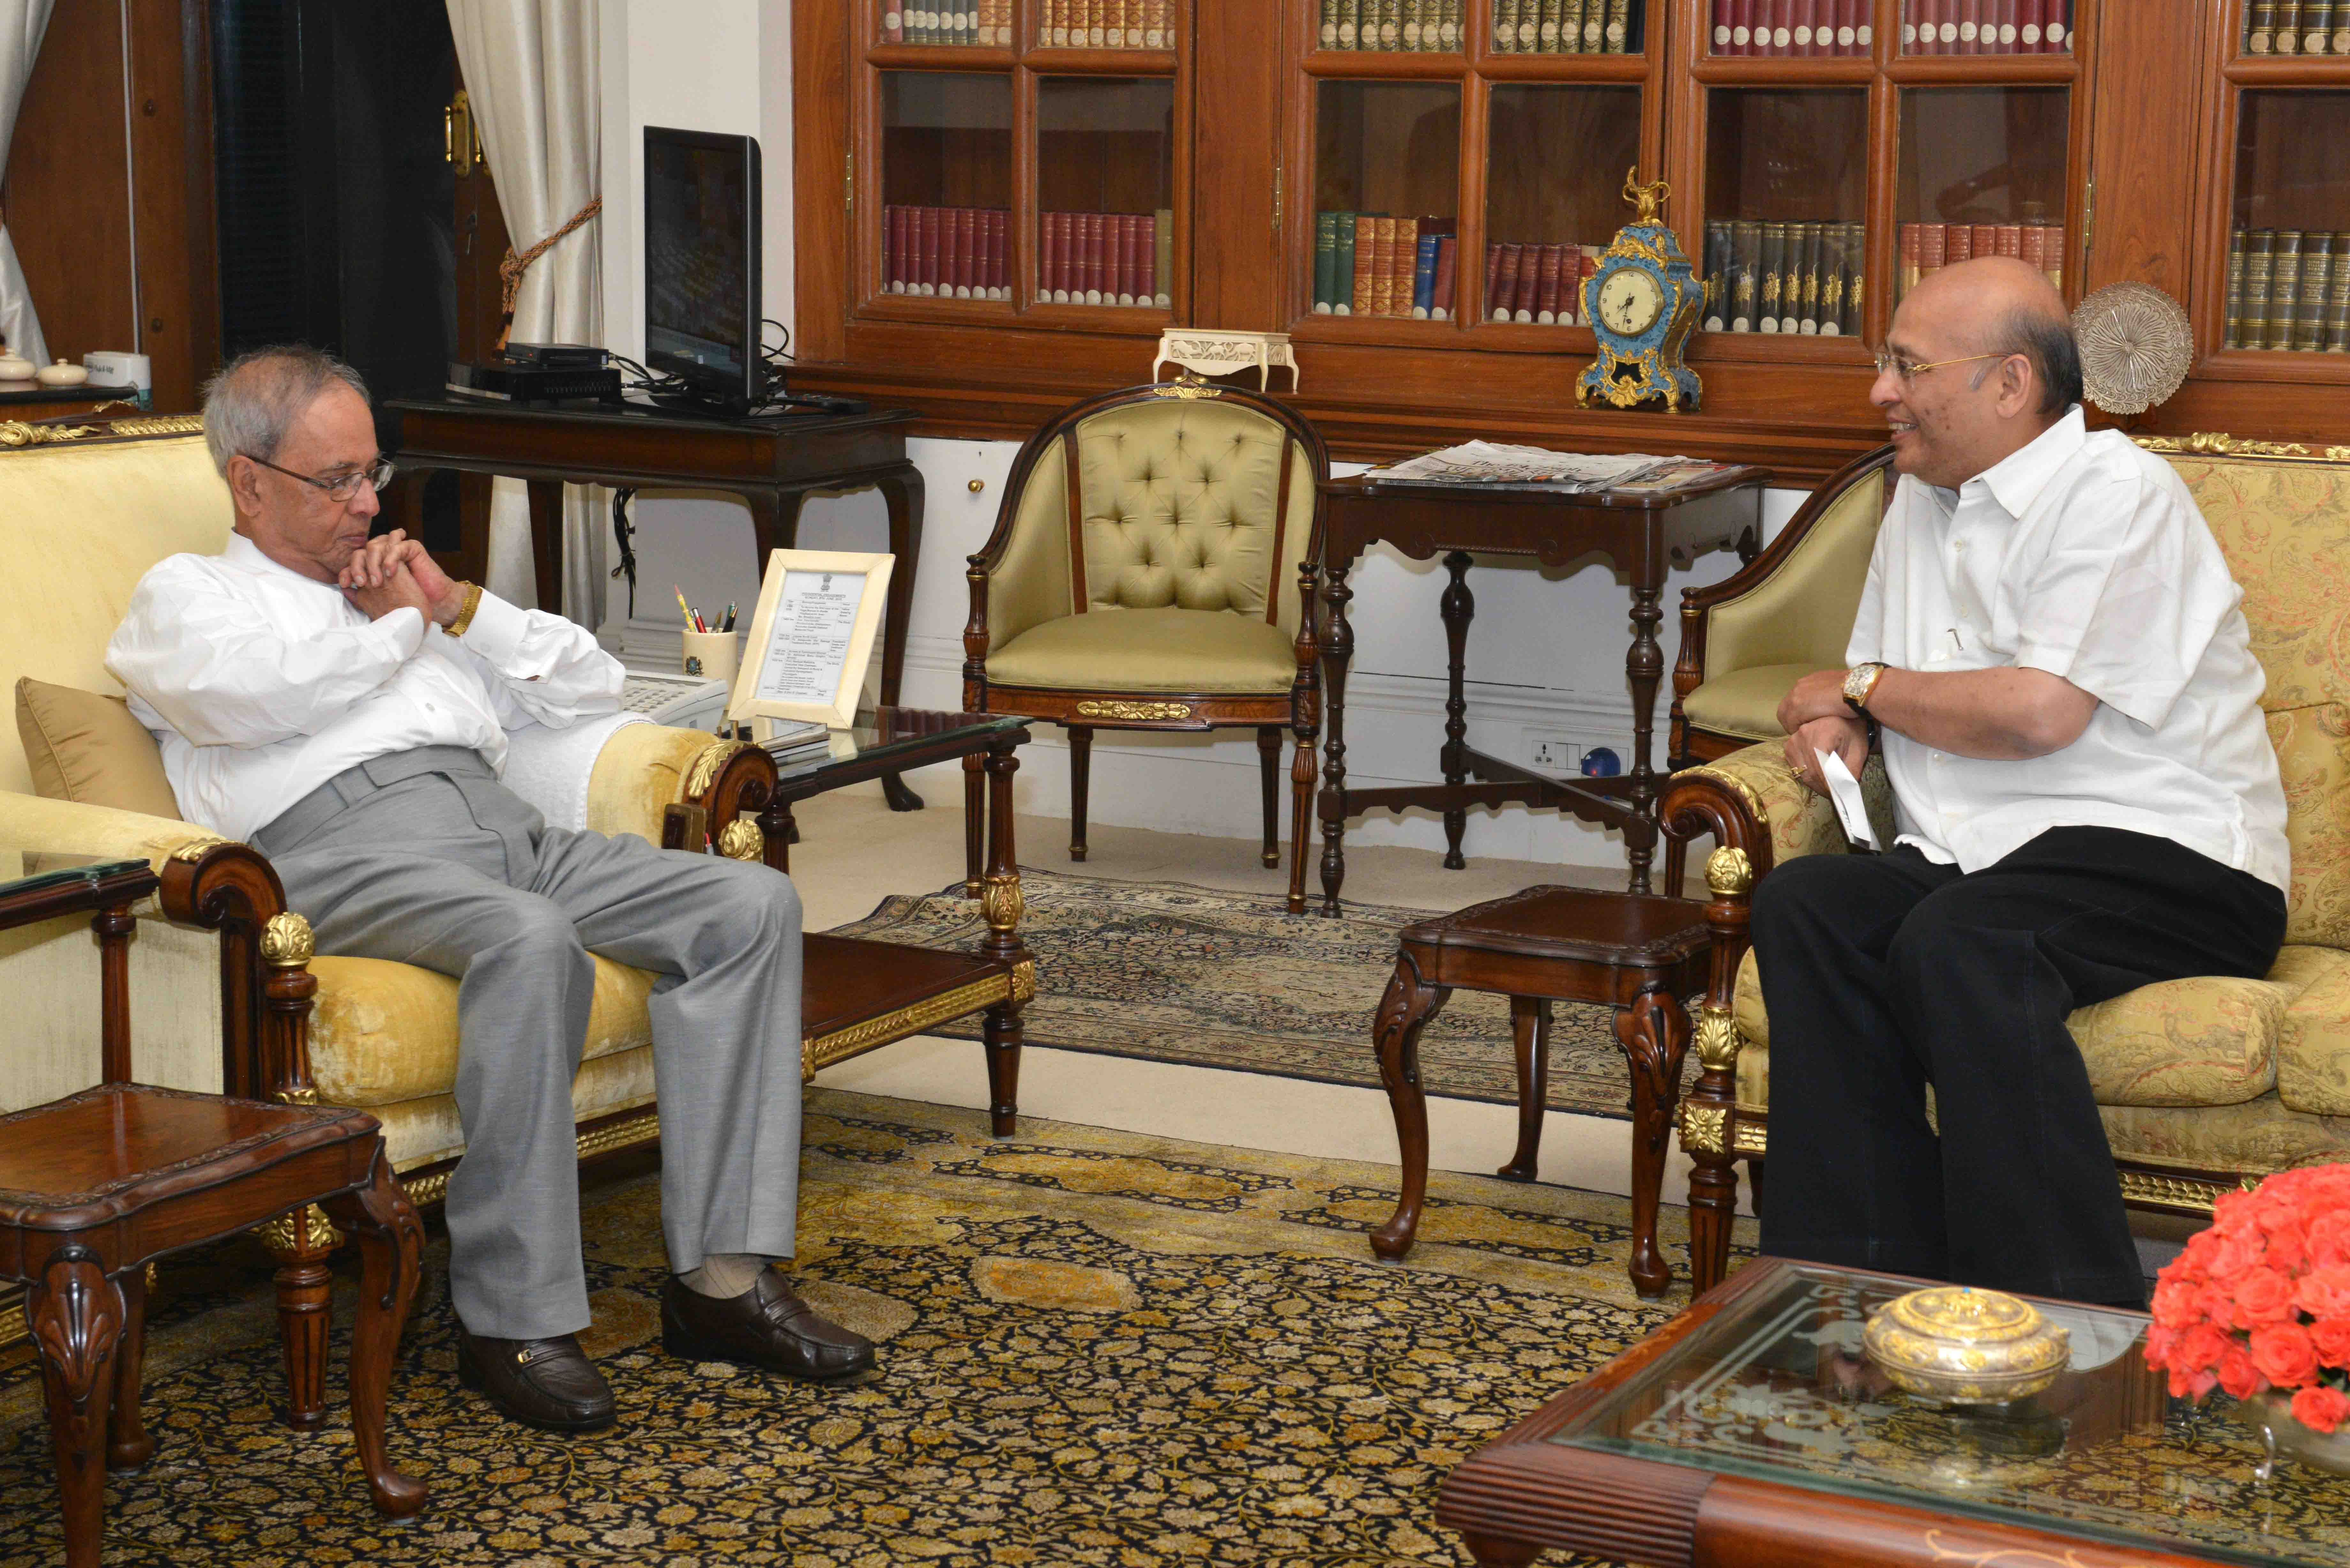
x,y
1423,278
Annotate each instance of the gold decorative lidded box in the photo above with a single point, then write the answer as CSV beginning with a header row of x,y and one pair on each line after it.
x,y
1966,1346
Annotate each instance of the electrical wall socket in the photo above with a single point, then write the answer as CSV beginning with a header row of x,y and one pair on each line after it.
x,y
1551,752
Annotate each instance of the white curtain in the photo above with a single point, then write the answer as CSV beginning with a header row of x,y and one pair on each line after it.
x,y
531,72
22,22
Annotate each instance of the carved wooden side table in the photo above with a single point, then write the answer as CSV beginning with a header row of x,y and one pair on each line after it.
x,y
95,1186
1639,953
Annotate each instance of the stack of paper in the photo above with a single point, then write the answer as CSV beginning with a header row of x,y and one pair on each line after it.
x,y
1493,462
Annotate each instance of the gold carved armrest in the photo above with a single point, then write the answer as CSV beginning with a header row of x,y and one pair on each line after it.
x,y
644,769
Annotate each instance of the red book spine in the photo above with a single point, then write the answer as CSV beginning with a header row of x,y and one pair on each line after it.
x,y
1570,284
1719,40
1958,243
1145,245
889,249
1546,284
949,256
1506,296
1986,241
1048,255
1766,15
1806,19
926,251
1493,296
1851,27
1131,288
999,243
1096,261
2002,21
1741,27
1073,250
2032,248
1933,249
1929,24
2031,18
2055,36
2010,241
1441,293
965,231
893,23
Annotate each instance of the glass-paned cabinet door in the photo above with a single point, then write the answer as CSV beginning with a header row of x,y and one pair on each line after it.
x,y
1981,174
1986,26
1569,27
1105,190
1554,164
2289,229
946,184
1786,174
1387,195
1793,29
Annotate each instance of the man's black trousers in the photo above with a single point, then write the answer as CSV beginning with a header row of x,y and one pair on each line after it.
x,y
1884,973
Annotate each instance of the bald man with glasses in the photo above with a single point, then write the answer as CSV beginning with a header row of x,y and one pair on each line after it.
x,y
340,702
2050,658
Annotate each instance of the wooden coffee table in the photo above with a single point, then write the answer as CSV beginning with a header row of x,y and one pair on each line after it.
x,y
1751,1429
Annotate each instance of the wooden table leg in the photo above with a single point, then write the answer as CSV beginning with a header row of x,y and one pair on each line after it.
x,y
392,1242
129,1444
546,542
302,1242
1530,1036
974,823
1304,725
1268,757
902,492
75,1315
1655,1033
1643,665
1338,649
1002,904
1404,1011
1081,768
1458,606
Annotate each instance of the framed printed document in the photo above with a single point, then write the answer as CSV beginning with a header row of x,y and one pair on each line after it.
x,y
812,637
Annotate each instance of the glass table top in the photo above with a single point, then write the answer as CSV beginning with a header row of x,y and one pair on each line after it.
x,y
31,870
880,735
1778,1387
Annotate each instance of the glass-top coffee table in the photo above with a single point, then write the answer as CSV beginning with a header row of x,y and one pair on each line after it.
x,y
1753,1428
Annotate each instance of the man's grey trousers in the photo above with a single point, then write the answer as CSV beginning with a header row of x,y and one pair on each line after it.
x,y
424,858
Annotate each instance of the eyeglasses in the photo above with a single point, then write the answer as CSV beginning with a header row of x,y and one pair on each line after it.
x,y
342,487
1886,360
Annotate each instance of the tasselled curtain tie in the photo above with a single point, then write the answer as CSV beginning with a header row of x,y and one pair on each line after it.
x,y
511,269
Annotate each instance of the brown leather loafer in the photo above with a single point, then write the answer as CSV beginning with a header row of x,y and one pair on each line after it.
x,y
767,1326
549,1383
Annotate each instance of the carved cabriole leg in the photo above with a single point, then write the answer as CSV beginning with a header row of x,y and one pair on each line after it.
x,y
392,1244
75,1315
1338,649
129,1444
1654,1033
1268,755
1404,1011
1081,767
1003,905
974,823
1458,607
1530,1037
1304,725
302,1240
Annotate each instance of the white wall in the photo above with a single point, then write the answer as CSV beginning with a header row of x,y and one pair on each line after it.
x,y
1545,654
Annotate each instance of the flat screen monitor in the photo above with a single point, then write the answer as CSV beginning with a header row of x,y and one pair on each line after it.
x,y
702,264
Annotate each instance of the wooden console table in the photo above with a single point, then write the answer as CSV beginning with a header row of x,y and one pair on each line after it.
x,y
1640,532
773,464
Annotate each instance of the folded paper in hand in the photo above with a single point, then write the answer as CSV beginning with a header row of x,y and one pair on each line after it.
x,y
1851,805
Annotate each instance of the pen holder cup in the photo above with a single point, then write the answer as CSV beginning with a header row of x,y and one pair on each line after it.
x,y
713,655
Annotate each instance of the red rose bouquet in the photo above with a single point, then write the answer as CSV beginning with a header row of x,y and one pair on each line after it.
x,y
2262,1300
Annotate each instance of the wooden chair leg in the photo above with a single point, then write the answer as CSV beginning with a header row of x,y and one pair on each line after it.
x,y
1000,1031
1714,1206
75,1315
1304,772
391,1244
1081,762
1404,1011
302,1241
1655,1033
1530,1037
974,823
1268,753
129,1445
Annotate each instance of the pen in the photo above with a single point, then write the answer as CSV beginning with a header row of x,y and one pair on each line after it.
x,y
683,608
729,625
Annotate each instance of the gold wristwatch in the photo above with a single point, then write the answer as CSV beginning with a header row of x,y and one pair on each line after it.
x,y
473,602
1859,682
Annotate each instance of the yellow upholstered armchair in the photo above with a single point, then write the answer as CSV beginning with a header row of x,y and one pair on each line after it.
x,y
1139,578
226,995
2201,1082
1748,638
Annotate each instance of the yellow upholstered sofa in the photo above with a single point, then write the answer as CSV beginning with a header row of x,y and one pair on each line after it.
x,y
2201,1082
223,981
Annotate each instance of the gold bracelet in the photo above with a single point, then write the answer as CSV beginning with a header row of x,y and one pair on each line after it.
x,y
465,615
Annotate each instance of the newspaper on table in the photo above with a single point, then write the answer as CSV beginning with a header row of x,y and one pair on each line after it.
x,y
1495,462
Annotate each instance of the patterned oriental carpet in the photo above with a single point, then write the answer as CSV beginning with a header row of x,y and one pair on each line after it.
x,y
1175,973
1098,1349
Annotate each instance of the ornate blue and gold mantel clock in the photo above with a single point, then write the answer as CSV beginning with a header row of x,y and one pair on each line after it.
x,y
1641,304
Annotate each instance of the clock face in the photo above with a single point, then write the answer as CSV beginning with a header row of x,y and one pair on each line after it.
x,y
1630,300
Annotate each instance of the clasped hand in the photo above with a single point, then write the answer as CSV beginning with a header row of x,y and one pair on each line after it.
x,y
393,571
1817,719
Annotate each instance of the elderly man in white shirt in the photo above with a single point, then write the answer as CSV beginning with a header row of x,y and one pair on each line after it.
x,y
341,703
2050,655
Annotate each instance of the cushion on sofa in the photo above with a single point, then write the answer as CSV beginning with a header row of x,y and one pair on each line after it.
x,y
2314,1048
84,747
2313,748
1162,649
1743,702
2255,1134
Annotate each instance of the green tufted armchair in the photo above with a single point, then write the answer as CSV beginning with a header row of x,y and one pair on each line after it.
x,y
1136,580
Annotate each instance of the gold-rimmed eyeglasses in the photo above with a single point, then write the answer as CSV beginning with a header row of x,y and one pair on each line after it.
x,y
1906,368
343,486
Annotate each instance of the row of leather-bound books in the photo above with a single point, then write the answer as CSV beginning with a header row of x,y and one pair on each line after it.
x,y
1796,279
2289,288
1562,27
1105,258
946,253
2297,27
1371,264
1106,24
971,24
1790,28
1929,247
1390,26
1986,26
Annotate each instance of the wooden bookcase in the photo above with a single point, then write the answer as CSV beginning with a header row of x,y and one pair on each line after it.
x,y
2126,139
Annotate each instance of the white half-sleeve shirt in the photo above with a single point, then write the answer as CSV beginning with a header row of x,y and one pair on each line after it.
x,y
260,684
2086,556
